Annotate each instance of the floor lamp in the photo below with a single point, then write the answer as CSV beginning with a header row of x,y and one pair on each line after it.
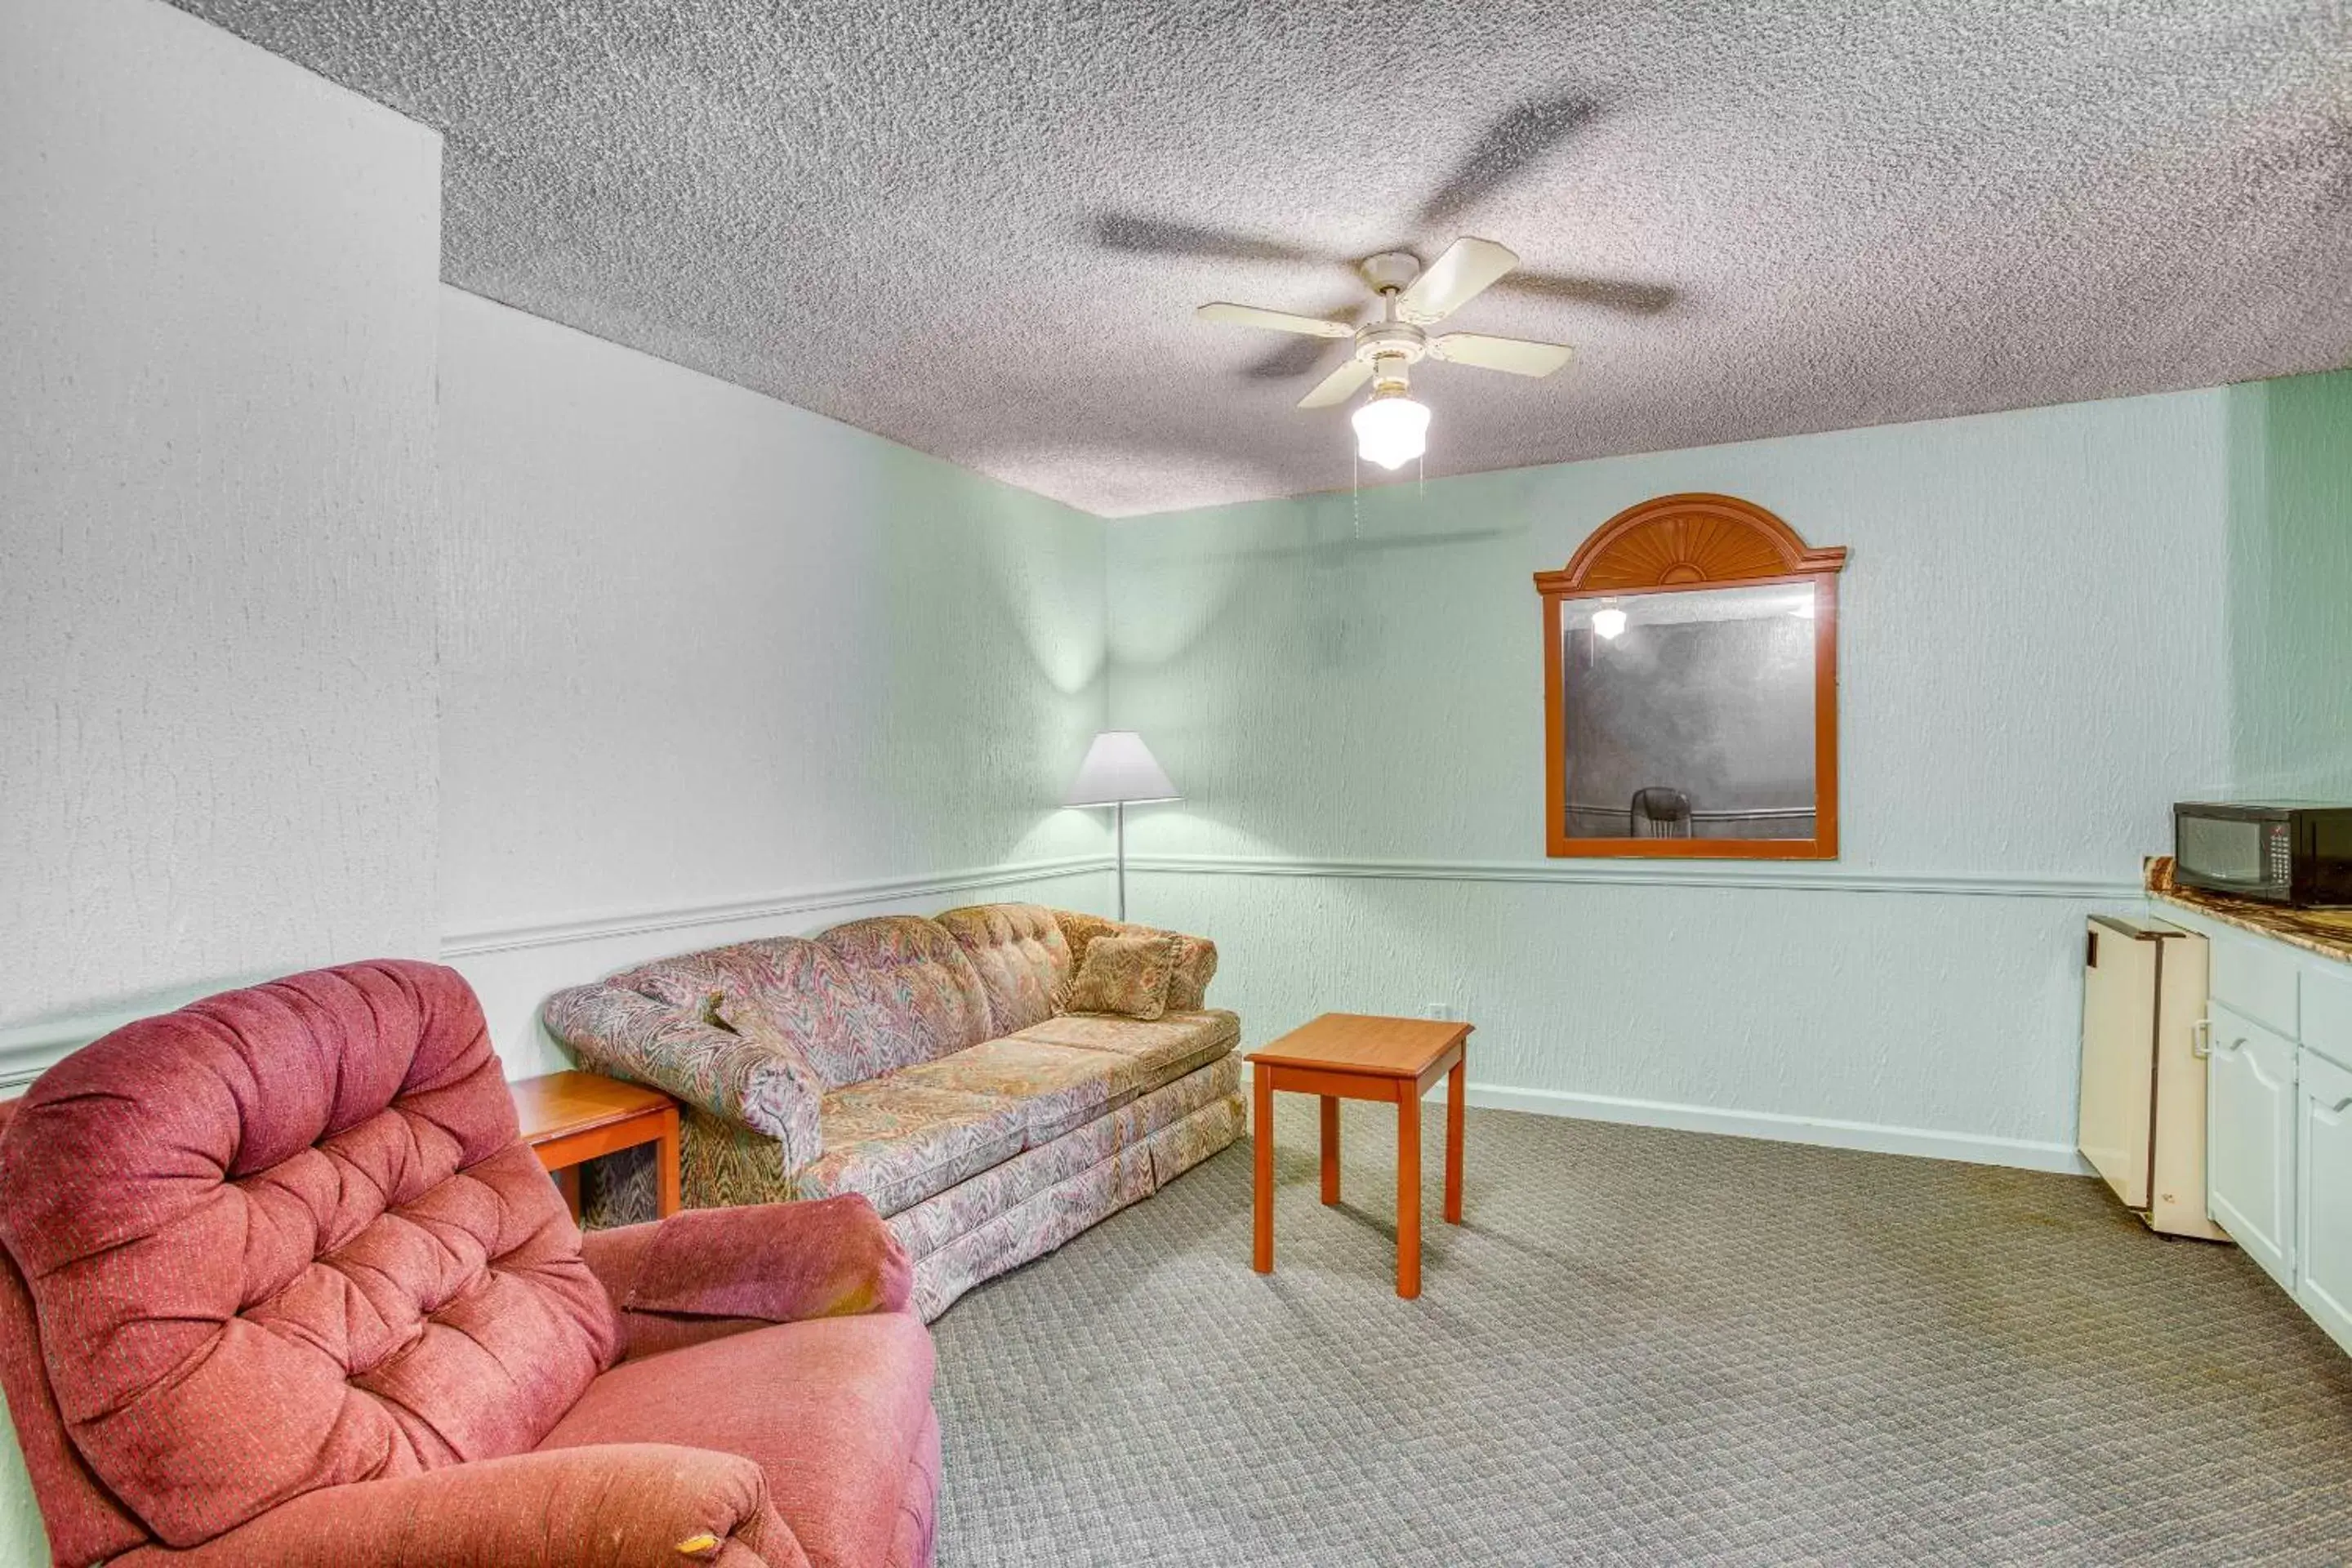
x,y
1120,772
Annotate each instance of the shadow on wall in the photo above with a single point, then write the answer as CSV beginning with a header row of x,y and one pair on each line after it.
x,y
996,648
1226,617
2290,588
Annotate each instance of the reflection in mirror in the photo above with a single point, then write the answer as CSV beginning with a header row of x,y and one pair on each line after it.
x,y
1690,687
1690,714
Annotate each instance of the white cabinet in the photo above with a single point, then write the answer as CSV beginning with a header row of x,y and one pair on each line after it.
x,y
2324,1195
2278,1114
2250,1116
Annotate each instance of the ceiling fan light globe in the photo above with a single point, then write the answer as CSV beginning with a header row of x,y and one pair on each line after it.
x,y
1607,624
1391,431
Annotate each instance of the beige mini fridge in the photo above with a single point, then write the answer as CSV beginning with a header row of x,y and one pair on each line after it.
x,y
2142,1124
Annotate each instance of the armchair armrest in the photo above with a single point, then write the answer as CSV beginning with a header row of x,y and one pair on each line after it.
x,y
702,1273
621,1505
755,1080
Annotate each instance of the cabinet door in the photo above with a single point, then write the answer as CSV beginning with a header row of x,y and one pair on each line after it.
x,y
2250,1138
2323,1195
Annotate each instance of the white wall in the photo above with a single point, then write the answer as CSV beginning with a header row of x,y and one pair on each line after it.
x,y
215,525
713,667
2035,663
216,615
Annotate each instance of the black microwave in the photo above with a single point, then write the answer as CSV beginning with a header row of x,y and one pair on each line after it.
x,y
2282,851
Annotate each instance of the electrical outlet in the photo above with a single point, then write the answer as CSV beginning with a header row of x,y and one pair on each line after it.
x,y
1442,1011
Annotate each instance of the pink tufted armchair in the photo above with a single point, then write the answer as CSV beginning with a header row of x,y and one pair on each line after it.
x,y
281,1285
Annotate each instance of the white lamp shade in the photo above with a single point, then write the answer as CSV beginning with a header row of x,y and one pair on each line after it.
x,y
1391,431
1119,768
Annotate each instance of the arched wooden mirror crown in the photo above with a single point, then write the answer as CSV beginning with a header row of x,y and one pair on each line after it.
x,y
1690,687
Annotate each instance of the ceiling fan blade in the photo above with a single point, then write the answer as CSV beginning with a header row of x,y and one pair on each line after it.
x,y
1453,280
1339,386
1273,320
1516,356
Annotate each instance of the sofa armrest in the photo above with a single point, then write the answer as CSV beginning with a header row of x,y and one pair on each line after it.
x,y
757,1082
706,1272
1196,963
619,1505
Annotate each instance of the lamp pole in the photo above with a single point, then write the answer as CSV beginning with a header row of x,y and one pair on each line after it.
x,y
1118,821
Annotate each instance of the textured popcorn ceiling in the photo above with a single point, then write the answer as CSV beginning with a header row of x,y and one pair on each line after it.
x,y
979,227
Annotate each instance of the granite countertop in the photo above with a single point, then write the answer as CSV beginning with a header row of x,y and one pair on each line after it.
x,y
2327,932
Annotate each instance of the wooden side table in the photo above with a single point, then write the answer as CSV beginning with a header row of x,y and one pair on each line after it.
x,y
1357,1056
569,1118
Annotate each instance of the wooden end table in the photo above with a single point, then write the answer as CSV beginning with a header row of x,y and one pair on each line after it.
x,y
570,1118
1356,1055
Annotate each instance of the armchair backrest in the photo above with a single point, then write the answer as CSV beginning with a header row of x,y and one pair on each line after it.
x,y
284,1238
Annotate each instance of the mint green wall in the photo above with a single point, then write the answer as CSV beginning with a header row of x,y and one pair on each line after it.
x,y
753,659
2040,652
2289,592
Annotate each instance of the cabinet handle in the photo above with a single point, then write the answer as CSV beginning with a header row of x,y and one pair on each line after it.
x,y
2200,1040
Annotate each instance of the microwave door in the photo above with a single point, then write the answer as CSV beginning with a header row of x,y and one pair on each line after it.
x,y
2222,849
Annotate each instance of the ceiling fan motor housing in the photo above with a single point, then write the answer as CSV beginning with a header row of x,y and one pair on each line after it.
x,y
1391,269
1389,347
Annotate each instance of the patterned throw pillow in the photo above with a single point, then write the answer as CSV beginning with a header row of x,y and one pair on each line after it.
x,y
1126,974
1196,962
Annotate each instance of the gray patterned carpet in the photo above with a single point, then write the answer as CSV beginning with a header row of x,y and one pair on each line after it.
x,y
1645,1347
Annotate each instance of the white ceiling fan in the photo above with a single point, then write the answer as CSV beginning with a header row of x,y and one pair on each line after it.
x,y
1391,430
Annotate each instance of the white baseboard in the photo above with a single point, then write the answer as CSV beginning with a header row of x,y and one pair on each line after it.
x,y
1871,1137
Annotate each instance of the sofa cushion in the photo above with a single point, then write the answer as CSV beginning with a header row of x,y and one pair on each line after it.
x,y
920,994
835,1410
800,987
1023,964
970,1204
1054,1087
1163,1049
897,1140
287,1237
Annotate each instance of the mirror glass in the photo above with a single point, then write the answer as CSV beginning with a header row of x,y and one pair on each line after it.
x,y
1689,714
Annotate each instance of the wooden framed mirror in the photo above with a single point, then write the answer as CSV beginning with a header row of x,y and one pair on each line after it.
x,y
1690,687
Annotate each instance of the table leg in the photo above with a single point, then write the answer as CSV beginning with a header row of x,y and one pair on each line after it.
x,y
1457,1098
1262,1246
567,1182
665,1162
1408,1191
1331,1149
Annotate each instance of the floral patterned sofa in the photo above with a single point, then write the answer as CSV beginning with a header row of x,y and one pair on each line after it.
x,y
926,1064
